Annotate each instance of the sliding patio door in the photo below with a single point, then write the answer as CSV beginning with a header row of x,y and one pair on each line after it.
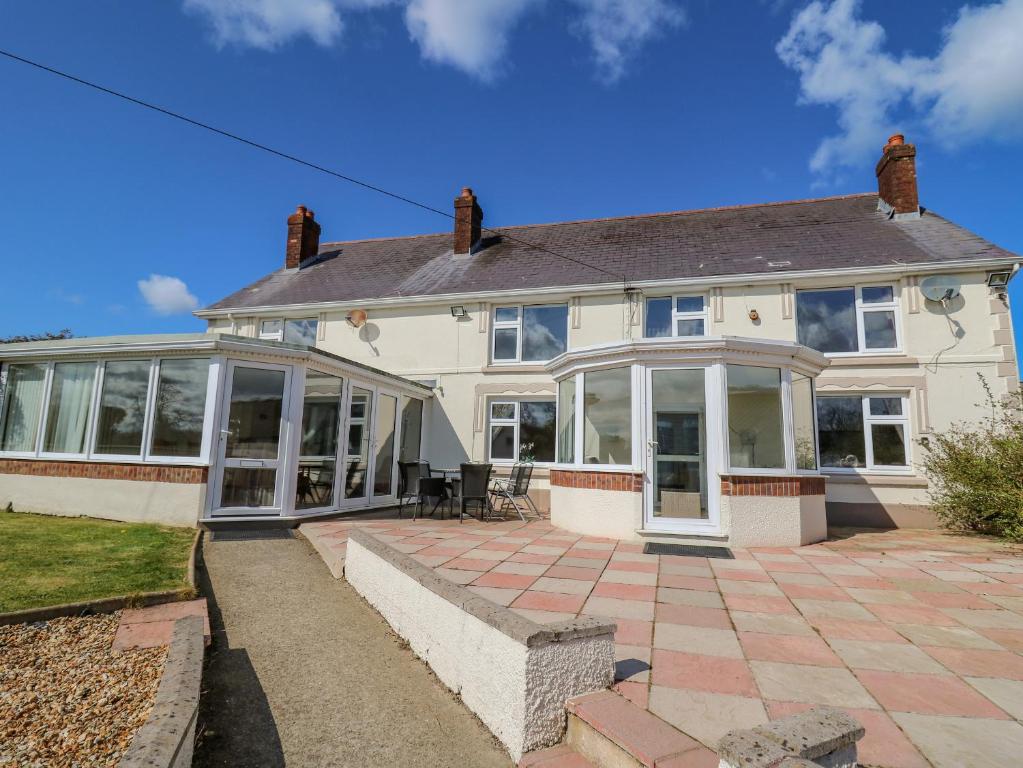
x,y
252,438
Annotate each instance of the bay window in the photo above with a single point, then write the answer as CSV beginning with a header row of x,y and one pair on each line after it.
x,y
864,432
607,416
566,421
675,316
803,422
522,430
755,422
529,334
849,320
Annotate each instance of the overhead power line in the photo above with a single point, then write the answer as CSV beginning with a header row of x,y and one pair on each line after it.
x,y
292,158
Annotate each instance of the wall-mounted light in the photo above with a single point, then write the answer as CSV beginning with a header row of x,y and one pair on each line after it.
x,y
357,318
459,311
754,315
998,279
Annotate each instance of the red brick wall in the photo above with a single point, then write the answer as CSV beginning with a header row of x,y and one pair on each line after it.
x,y
154,473
896,178
755,485
598,481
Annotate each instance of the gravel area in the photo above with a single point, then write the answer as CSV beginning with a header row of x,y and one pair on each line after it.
x,y
67,699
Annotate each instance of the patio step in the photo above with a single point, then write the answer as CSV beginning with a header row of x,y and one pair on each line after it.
x,y
611,732
561,756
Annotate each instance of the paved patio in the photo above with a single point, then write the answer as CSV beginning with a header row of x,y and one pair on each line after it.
x,y
918,634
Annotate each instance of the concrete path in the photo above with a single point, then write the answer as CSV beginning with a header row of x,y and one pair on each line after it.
x,y
302,672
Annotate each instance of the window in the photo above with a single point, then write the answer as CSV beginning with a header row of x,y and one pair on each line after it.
x,y
522,430
566,421
122,407
607,416
297,331
180,407
411,429
530,334
317,461
675,316
67,416
22,406
755,427
848,320
864,432
803,422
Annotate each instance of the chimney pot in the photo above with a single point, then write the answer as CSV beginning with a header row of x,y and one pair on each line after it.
x,y
468,222
896,178
303,238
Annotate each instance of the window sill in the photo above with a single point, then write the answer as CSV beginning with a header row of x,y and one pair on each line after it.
x,y
877,358
875,478
515,368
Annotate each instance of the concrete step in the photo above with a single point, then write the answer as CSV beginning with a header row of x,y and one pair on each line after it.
x,y
561,756
611,732
683,538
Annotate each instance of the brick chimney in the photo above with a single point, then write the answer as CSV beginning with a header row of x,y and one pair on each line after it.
x,y
303,238
468,222
896,178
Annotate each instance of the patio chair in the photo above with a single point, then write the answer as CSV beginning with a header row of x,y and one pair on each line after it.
x,y
472,487
410,477
516,488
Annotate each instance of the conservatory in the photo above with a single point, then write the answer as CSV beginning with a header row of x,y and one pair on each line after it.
x,y
179,428
702,437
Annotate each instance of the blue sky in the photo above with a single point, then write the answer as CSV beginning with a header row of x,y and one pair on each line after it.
x,y
550,109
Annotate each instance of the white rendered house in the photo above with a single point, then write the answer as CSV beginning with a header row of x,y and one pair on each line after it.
x,y
745,374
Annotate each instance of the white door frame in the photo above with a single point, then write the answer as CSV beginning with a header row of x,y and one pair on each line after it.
x,y
711,460
392,496
284,441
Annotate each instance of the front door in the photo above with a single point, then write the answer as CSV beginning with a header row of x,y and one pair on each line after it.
x,y
252,438
680,497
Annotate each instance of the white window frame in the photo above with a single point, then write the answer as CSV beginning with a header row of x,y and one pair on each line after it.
x,y
862,308
868,437
517,325
279,336
703,314
145,456
788,436
516,422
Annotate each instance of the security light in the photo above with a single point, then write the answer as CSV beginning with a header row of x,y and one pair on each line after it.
x,y
998,279
458,311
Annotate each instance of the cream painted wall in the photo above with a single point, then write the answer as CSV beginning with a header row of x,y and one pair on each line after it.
x,y
938,372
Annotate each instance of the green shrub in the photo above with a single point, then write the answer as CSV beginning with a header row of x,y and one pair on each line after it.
x,y
976,470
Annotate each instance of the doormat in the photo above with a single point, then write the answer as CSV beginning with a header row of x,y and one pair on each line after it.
x,y
252,534
687,550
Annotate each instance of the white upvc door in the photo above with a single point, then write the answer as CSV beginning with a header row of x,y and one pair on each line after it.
x,y
386,439
682,425
368,476
248,477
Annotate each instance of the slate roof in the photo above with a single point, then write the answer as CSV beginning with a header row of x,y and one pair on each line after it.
x,y
821,234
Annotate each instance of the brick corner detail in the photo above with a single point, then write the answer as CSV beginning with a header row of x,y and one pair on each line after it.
x,y
766,485
597,481
95,470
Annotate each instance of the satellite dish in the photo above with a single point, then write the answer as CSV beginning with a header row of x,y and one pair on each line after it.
x,y
940,287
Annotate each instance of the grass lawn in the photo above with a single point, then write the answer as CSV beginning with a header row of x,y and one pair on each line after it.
x,y
47,560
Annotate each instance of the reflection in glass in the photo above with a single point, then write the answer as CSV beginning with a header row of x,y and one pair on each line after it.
x,y
755,427
879,330
357,459
502,442
544,332
886,406
254,421
679,451
658,317
889,444
802,421
317,462
180,407
690,328
566,421
22,405
245,487
67,416
826,320
506,314
840,427
689,304
300,332
502,410
387,411
607,416
878,295
506,342
536,430
122,407
411,429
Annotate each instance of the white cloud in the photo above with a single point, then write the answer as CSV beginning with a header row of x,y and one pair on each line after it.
x,y
471,35
616,29
167,295
970,89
